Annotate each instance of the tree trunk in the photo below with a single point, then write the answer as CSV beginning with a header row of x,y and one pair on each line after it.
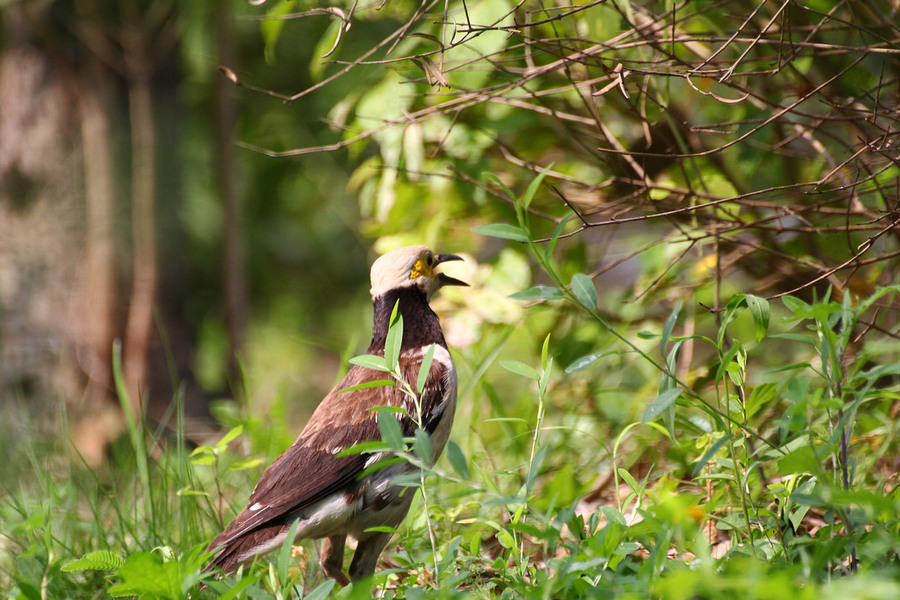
x,y
139,326
234,275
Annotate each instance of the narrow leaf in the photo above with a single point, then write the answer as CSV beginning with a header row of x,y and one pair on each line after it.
x,y
457,459
425,369
554,237
533,186
669,326
801,309
538,292
520,368
545,352
422,445
661,403
736,304
370,361
583,288
502,230
583,363
322,590
284,553
710,453
231,435
501,185
393,341
627,477
243,465
245,582
390,430
535,468
369,447
759,309
368,384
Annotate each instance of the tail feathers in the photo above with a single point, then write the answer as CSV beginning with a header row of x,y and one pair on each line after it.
x,y
242,549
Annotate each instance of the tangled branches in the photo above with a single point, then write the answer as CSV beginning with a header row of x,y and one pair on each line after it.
x,y
757,138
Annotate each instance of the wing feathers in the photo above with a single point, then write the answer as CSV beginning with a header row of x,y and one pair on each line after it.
x,y
310,470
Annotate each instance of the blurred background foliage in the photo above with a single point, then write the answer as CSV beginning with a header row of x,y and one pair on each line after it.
x,y
209,182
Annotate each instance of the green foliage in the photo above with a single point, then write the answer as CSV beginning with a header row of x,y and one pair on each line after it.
x,y
636,419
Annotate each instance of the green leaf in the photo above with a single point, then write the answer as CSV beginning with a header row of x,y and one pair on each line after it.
x,y
246,581
583,288
626,476
661,403
584,362
272,26
425,369
232,433
502,230
457,459
368,384
535,468
669,326
710,453
145,574
370,361
520,368
322,590
243,465
735,305
364,448
501,185
394,339
545,353
422,445
800,460
799,308
101,560
554,237
284,553
538,292
613,515
759,309
391,433
533,186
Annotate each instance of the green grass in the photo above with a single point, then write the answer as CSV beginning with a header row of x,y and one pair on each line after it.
x,y
585,462
737,480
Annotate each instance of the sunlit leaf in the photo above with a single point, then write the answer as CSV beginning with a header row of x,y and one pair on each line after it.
x,y
520,368
583,288
457,459
390,430
538,292
502,230
661,403
101,560
370,362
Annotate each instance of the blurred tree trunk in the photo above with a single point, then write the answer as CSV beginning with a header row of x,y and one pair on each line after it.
x,y
234,275
94,302
144,275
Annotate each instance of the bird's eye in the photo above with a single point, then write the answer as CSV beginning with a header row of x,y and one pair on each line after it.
x,y
429,260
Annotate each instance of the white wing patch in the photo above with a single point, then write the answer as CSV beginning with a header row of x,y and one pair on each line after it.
x,y
441,355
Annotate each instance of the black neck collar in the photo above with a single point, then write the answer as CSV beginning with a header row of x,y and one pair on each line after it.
x,y
420,324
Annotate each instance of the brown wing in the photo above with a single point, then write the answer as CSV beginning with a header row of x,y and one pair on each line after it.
x,y
309,470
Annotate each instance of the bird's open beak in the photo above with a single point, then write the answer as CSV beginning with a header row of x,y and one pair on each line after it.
x,y
446,279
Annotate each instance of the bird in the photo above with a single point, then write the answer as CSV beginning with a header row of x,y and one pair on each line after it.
x,y
330,494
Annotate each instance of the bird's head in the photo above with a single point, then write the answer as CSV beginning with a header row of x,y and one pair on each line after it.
x,y
411,266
